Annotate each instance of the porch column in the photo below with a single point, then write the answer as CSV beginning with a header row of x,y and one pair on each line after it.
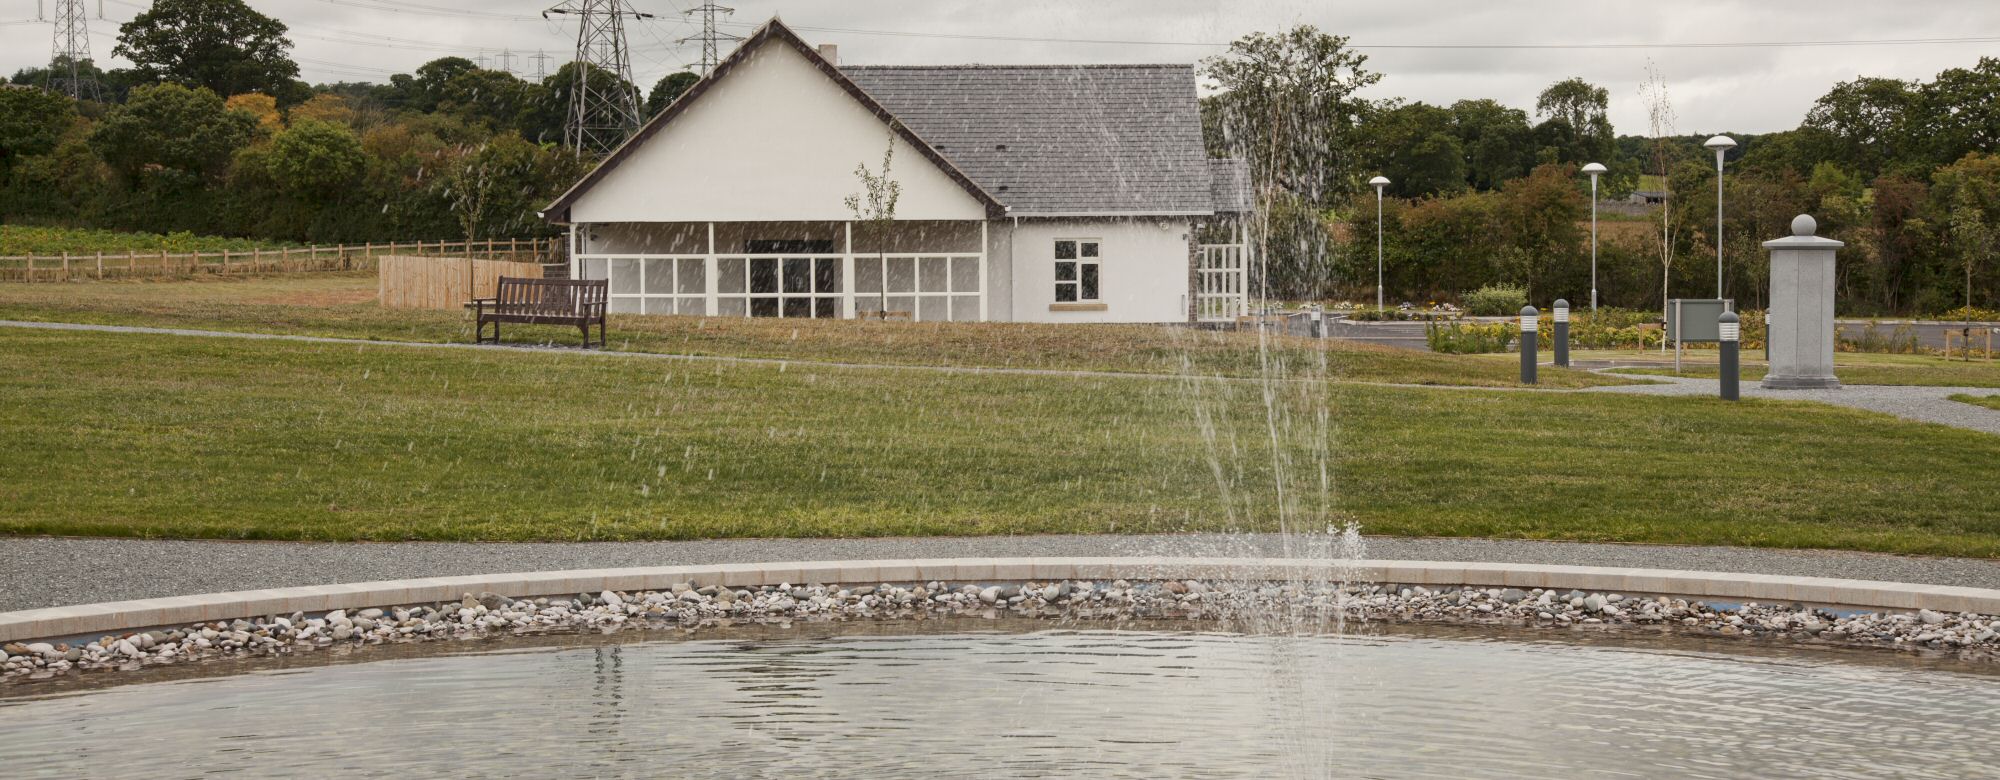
x,y
984,293
847,272
575,270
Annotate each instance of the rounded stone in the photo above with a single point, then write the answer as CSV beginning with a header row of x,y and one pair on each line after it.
x,y
1804,225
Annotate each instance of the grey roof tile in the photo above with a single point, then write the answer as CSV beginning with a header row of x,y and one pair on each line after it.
x,y
1060,139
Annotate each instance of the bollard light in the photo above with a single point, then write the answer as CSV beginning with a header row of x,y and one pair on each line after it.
x,y
1562,332
1730,328
1594,169
1528,343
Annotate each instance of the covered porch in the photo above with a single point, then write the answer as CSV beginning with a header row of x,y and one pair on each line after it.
x,y
921,271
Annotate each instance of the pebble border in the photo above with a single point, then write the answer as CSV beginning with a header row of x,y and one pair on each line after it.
x,y
57,622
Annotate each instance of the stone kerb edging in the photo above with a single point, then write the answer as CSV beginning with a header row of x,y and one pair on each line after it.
x,y
116,616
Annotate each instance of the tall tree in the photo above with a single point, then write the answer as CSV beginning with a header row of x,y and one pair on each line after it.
x,y
1576,123
31,123
1414,145
173,128
222,45
1967,195
1288,106
1862,123
1497,140
667,90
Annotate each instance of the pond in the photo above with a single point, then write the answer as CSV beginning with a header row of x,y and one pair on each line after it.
x,y
954,698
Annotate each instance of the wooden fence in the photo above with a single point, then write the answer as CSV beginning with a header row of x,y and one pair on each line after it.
x,y
442,282
341,257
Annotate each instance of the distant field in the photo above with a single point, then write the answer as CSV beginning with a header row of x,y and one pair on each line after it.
x,y
343,305
26,239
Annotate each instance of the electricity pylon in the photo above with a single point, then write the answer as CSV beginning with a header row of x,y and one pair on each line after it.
x,y
600,115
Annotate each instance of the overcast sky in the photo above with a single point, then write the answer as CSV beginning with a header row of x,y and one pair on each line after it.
x,y
1713,89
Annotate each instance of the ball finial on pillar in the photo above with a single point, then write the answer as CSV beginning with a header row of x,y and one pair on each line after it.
x,y
1804,225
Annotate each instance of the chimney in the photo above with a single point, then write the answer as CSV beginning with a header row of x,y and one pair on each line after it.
x,y
830,53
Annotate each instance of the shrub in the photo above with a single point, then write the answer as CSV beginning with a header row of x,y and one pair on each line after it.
x,y
1496,300
1972,313
1470,338
1902,341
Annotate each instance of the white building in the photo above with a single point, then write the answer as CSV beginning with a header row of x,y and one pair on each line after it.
x,y
1070,193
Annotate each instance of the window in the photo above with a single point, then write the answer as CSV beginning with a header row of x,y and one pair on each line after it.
x,y
1076,270
773,286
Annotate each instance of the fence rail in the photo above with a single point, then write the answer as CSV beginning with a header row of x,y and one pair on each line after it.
x,y
71,266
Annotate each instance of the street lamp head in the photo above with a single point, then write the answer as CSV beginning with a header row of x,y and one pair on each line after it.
x,y
1379,182
1595,168
1720,143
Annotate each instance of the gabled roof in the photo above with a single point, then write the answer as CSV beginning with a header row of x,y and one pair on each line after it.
x,y
1052,140
772,31
1060,139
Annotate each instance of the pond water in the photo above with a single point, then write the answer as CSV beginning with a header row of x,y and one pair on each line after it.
x,y
1020,699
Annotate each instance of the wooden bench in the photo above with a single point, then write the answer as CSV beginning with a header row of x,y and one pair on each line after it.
x,y
578,302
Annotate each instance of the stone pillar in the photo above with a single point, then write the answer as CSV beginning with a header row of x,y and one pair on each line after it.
x,y
1801,326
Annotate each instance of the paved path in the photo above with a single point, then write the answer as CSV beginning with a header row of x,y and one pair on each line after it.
x,y
1910,402
45,572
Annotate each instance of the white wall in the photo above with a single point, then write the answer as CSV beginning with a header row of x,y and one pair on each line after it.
x,y
1143,273
775,139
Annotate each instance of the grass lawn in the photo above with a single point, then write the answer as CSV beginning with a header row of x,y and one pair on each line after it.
x,y
344,306
1988,401
141,435
1854,368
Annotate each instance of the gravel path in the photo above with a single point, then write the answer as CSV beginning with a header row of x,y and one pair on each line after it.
x,y
45,572
1924,404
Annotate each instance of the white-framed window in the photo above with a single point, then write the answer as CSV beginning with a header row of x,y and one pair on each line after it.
x,y
1077,272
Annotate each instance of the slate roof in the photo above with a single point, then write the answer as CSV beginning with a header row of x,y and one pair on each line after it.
x,y
1059,139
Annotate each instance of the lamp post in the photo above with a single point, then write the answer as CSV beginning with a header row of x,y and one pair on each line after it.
x,y
1594,169
1721,144
1378,183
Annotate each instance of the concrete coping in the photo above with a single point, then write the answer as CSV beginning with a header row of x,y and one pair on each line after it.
x,y
122,616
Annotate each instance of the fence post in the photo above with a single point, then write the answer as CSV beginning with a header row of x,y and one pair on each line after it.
x,y
1529,325
30,273
163,262
100,265
65,267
